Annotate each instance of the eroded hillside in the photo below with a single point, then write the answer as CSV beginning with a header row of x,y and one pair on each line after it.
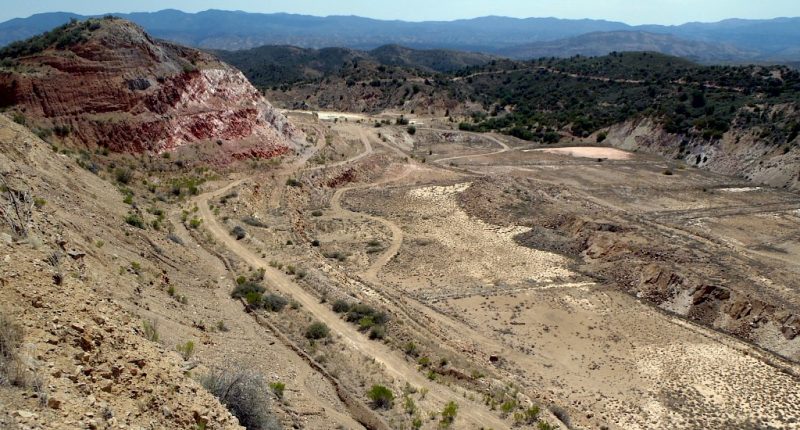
x,y
106,83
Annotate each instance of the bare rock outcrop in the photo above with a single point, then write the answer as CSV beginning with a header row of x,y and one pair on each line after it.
x,y
107,83
741,151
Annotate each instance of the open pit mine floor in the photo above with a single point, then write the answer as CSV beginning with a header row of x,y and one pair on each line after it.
x,y
613,289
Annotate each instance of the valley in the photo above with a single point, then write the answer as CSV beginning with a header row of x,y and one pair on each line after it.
x,y
393,246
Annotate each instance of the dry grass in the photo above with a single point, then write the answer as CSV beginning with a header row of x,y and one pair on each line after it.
x,y
12,369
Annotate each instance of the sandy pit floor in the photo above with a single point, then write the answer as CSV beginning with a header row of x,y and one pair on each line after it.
x,y
588,152
491,255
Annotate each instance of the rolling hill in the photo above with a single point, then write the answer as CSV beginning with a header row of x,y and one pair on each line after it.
x,y
271,65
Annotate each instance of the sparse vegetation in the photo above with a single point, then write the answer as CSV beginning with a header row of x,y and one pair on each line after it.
x,y
12,370
150,330
528,416
366,317
274,302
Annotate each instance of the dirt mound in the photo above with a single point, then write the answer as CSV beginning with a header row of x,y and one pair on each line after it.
x,y
107,83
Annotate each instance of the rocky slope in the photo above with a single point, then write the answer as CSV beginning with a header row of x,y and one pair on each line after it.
x,y
741,152
79,359
107,83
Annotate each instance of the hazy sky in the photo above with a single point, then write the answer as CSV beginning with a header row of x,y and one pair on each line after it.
x,y
629,11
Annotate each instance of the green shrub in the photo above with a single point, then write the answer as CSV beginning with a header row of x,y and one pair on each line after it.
x,y
366,323
123,176
381,397
135,220
254,298
19,118
186,350
449,414
317,330
359,311
277,389
247,287
528,416
377,332
195,222
544,425
508,406
411,130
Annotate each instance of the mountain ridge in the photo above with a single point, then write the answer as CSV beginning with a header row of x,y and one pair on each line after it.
x,y
232,30
603,43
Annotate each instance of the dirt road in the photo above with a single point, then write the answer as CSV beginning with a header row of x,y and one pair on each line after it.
x,y
471,414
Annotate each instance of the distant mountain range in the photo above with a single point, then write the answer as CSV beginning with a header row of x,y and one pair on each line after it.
x,y
730,40
603,43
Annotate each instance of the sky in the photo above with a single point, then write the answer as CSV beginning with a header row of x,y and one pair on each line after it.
x,y
629,11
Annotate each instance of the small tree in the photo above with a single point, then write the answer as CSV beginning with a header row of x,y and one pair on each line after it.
x,y
411,130
381,397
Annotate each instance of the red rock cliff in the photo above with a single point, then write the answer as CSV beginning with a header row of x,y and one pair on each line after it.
x,y
110,84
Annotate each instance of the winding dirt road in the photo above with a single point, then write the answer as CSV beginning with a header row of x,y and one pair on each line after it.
x,y
472,414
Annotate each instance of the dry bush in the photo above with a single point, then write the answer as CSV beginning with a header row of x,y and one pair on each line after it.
x,y
16,206
245,394
12,370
